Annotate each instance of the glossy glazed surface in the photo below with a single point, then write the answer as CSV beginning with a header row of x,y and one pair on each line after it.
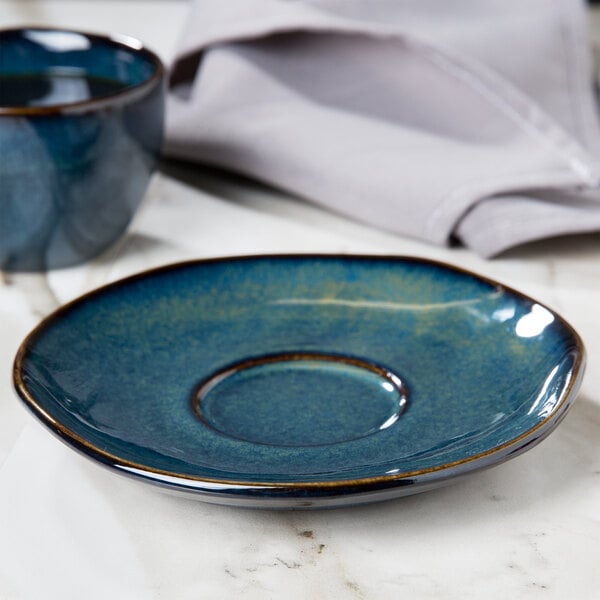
x,y
300,380
78,152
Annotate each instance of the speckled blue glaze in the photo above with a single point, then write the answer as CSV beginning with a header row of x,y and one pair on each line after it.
x,y
73,172
302,360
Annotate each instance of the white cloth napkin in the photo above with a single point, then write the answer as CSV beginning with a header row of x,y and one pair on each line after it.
x,y
472,120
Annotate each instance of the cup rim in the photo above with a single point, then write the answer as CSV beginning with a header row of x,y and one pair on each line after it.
x,y
117,98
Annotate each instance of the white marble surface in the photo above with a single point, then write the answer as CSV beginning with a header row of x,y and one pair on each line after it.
x,y
68,529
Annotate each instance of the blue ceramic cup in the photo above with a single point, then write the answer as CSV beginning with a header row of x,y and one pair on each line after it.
x,y
81,122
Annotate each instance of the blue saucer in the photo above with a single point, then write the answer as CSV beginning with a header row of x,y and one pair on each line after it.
x,y
301,381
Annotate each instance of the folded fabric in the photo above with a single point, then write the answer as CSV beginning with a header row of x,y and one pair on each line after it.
x,y
472,120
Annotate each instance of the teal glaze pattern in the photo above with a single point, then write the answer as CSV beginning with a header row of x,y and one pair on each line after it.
x,y
487,373
73,169
300,400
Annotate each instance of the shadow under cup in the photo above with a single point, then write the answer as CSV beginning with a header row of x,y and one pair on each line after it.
x,y
81,124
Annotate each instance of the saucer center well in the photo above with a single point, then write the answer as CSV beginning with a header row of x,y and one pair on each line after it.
x,y
300,399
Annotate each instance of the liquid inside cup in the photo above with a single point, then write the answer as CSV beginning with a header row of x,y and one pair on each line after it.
x,y
45,68
56,86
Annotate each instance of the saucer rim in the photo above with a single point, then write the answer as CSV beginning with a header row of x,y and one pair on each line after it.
x,y
193,483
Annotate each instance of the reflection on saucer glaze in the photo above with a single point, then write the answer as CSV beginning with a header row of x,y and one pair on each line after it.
x,y
301,381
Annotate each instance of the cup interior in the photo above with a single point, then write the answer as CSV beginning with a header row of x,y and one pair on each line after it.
x,y
45,67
